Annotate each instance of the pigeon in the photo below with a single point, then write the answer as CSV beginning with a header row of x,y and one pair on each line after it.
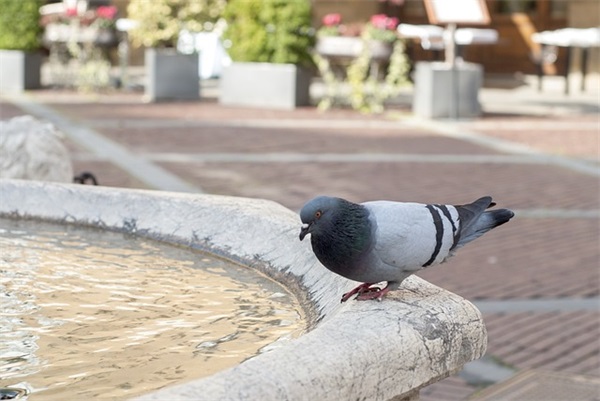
x,y
386,241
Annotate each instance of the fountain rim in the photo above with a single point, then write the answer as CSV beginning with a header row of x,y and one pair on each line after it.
x,y
389,348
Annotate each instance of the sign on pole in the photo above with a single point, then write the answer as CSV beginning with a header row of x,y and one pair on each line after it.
x,y
444,12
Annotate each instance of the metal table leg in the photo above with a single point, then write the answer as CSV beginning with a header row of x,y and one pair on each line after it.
x,y
584,60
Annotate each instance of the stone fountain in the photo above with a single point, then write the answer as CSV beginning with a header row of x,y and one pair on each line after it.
x,y
358,350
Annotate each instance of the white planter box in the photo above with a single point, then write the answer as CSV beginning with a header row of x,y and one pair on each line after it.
x,y
19,70
171,75
441,92
346,46
265,85
64,33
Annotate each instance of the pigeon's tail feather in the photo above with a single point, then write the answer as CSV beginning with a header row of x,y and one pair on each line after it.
x,y
476,221
484,223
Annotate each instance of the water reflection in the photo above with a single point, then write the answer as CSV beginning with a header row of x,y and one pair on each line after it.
x,y
86,314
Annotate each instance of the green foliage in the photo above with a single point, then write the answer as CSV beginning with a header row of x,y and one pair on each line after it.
x,y
161,20
273,31
367,92
386,35
19,24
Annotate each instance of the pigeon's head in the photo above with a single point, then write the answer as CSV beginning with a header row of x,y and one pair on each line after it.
x,y
317,213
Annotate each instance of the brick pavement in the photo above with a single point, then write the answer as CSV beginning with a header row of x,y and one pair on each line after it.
x,y
551,257
556,136
538,340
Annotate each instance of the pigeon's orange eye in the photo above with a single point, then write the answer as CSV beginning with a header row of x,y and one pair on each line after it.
x,y
318,214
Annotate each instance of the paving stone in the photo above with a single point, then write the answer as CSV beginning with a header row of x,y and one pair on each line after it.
x,y
452,388
206,139
503,321
543,386
537,186
546,341
590,366
8,110
574,141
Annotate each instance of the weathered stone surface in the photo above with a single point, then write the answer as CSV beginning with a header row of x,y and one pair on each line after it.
x,y
33,150
356,350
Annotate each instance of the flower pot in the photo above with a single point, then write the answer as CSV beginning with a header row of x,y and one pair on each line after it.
x,y
63,33
171,75
380,50
265,85
19,70
441,92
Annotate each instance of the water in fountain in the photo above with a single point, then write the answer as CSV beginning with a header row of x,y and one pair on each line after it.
x,y
89,314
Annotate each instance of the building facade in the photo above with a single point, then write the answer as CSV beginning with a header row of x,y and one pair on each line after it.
x,y
515,21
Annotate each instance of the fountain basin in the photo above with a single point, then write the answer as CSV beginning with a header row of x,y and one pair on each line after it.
x,y
357,350
88,314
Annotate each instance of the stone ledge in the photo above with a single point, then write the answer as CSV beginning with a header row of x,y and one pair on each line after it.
x,y
357,350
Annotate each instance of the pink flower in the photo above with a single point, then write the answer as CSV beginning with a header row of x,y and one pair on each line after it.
x,y
379,21
332,19
71,12
391,23
107,12
382,21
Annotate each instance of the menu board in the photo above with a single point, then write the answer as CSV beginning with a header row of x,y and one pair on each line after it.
x,y
442,12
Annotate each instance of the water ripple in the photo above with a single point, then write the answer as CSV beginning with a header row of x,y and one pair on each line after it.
x,y
86,314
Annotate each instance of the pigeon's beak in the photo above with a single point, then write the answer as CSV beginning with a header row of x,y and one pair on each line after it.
x,y
304,230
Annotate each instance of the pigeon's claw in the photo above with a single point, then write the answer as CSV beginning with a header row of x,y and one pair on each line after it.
x,y
358,290
361,289
375,293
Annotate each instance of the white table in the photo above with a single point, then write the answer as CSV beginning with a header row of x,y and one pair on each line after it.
x,y
569,38
433,37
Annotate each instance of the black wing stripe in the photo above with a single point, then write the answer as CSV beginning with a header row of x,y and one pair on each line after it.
x,y
447,214
456,236
439,233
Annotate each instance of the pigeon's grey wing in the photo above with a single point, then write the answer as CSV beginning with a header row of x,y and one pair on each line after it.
x,y
410,236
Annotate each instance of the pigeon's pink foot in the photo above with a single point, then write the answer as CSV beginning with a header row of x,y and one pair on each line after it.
x,y
375,293
361,289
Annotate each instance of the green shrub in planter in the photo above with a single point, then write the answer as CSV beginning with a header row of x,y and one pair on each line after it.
x,y
271,31
20,24
20,58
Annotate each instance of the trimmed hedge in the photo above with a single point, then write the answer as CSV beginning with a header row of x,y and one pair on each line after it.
x,y
273,31
20,24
